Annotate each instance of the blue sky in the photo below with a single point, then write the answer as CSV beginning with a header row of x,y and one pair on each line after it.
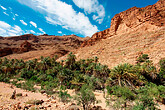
x,y
61,17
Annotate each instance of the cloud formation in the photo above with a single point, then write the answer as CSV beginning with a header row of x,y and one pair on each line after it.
x,y
31,31
43,32
92,6
60,13
5,13
3,8
23,22
33,24
59,32
8,30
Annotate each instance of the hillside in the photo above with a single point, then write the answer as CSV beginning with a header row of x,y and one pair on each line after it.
x,y
30,46
132,32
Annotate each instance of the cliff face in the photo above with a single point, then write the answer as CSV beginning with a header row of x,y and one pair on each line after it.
x,y
133,19
31,46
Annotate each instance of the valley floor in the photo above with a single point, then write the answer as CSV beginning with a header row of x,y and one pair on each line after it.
x,y
50,103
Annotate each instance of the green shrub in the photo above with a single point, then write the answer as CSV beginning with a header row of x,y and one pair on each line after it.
x,y
63,95
142,58
146,97
162,71
28,85
123,95
85,97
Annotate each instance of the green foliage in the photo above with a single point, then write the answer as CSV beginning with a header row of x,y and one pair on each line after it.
x,y
123,75
49,86
162,71
146,96
29,85
70,61
122,96
149,71
93,82
25,73
123,81
122,92
3,78
85,97
142,58
63,95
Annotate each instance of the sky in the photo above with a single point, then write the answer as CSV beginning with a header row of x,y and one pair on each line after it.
x,y
61,17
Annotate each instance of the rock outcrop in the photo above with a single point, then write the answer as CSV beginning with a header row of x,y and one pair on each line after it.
x,y
25,46
5,51
132,20
23,37
43,45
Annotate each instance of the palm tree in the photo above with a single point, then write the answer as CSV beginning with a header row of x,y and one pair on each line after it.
x,y
70,61
122,76
0,61
148,70
96,59
162,71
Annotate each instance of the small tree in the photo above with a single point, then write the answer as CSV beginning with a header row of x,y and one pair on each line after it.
x,y
162,71
85,97
142,58
121,95
146,97
70,61
63,94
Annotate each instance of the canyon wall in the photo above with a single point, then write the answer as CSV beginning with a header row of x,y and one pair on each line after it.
x,y
133,19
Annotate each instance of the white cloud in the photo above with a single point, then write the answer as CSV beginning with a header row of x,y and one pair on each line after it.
x,y
16,14
92,6
23,22
8,30
5,13
41,30
31,31
59,13
3,8
13,18
4,25
33,23
59,32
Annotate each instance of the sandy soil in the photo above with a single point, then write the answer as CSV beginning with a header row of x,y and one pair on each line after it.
x,y
50,103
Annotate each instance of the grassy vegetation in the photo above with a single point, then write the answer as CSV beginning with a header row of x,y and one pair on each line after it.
x,y
143,83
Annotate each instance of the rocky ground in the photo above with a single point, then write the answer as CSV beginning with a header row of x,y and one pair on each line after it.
x,y
26,100
30,100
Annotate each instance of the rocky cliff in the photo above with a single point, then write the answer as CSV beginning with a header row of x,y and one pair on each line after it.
x,y
31,46
133,19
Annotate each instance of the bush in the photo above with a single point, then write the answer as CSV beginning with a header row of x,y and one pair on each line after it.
x,y
4,79
123,95
142,58
29,85
63,95
85,97
146,97
162,71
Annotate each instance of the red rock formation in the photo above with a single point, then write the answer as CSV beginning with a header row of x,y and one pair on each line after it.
x,y
25,47
53,45
23,37
131,19
5,51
